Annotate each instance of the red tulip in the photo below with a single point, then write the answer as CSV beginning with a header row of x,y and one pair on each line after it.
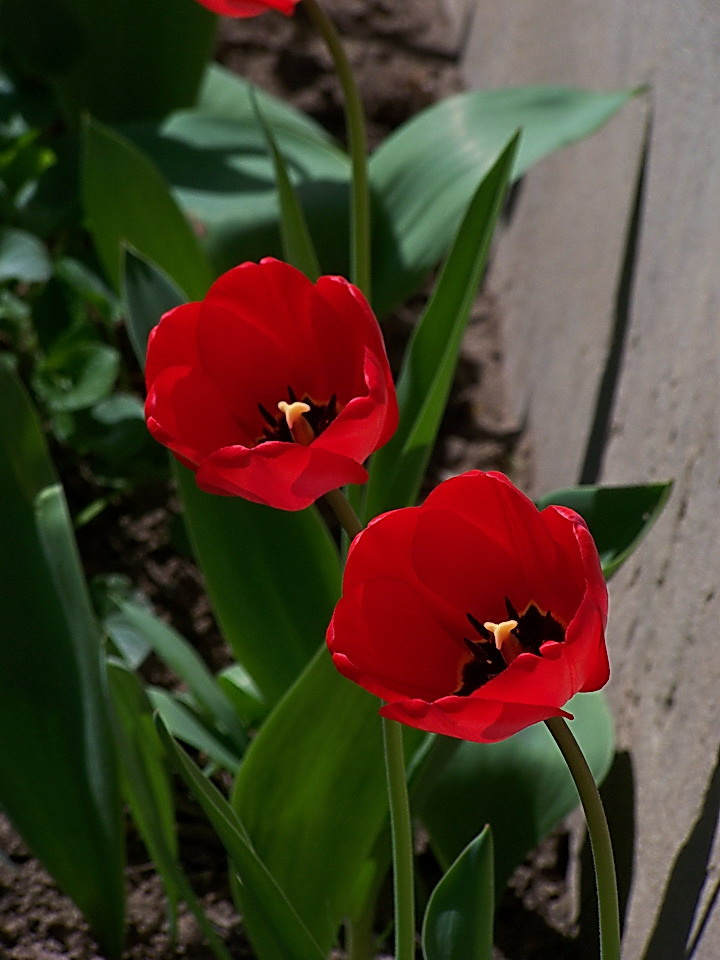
x,y
475,614
249,8
272,388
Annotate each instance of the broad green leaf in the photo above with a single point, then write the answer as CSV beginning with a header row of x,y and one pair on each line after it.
x,y
618,517
521,787
224,179
458,922
127,202
175,651
225,95
183,722
269,916
273,576
273,579
148,293
425,173
118,59
429,364
147,789
23,257
58,779
311,793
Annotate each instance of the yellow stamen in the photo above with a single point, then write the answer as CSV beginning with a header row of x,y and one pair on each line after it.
x,y
300,429
506,642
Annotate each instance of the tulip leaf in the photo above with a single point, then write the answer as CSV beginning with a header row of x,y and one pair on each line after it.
x,y
127,202
58,780
147,789
311,793
268,914
184,724
424,175
297,243
273,576
224,179
618,517
175,651
273,579
521,787
429,363
148,292
458,922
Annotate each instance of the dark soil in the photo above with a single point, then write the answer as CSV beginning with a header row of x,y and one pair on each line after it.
x,y
405,59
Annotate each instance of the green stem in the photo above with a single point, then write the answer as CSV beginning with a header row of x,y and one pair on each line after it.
x,y
402,845
340,506
357,143
606,881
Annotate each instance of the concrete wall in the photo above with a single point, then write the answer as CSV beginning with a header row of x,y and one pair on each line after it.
x,y
556,274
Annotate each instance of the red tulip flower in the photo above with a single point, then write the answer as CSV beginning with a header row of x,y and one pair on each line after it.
x,y
249,8
475,614
272,388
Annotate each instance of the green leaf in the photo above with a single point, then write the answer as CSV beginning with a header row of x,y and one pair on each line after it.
x,y
429,364
521,787
147,293
186,725
58,779
117,60
425,173
311,793
458,922
224,180
619,517
269,917
175,651
297,243
126,201
77,375
147,789
23,257
273,579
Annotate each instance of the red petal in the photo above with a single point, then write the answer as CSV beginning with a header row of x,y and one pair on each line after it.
x,y
393,644
283,475
248,8
173,342
184,411
485,721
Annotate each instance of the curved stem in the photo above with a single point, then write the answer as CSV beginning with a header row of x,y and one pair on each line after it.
x,y
340,505
600,842
403,884
357,143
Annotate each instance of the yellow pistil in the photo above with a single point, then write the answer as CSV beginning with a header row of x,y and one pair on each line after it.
x,y
505,641
300,429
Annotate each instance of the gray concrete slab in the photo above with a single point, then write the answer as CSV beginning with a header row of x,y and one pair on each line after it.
x,y
555,273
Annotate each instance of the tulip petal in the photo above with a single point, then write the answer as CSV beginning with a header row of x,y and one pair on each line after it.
x,y
284,475
480,721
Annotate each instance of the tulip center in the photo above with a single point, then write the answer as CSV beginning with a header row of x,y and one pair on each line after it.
x,y
297,421
500,643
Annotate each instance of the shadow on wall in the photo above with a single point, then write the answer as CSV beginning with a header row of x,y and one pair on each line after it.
x,y
679,923
673,937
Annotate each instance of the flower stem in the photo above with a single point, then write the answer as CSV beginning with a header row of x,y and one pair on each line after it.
x,y
402,846
606,881
340,505
357,142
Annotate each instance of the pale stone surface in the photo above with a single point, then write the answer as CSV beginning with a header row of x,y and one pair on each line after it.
x,y
555,274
